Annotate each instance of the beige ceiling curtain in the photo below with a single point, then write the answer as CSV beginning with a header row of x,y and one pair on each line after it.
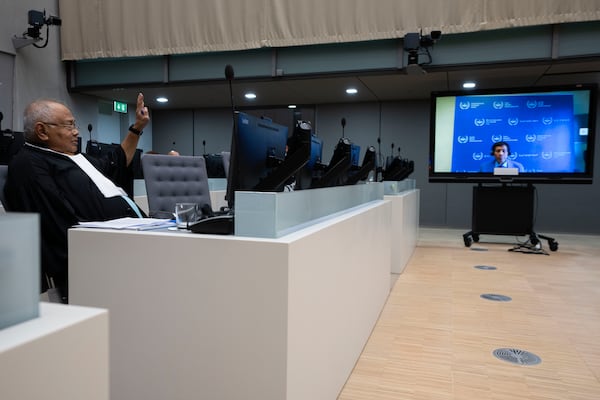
x,y
130,28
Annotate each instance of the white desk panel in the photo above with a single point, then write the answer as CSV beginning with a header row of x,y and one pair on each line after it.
x,y
224,317
405,227
62,354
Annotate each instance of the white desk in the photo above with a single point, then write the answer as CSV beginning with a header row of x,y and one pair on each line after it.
x,y
60,355
213,317
405,227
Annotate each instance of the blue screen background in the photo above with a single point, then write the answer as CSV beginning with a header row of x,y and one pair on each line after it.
x,y
541,129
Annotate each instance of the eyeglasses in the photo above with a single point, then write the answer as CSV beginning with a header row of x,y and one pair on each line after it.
x,y
70,126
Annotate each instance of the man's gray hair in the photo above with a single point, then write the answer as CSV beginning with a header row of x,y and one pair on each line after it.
x,y
37,111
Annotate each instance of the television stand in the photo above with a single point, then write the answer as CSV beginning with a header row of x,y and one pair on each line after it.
x,y
506,210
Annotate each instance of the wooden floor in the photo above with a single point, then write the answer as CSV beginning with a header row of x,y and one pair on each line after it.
x,y
436,336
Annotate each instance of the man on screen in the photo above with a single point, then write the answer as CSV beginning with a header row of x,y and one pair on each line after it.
x,y
500,151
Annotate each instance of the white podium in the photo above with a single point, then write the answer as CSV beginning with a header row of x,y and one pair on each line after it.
x,y
225,317
60,355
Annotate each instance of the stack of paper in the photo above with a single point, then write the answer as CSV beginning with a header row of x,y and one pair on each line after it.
x,y
136,224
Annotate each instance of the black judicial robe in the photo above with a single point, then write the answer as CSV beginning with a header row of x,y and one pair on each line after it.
x,y
54,186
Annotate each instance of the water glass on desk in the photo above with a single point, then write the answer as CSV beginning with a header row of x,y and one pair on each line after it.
x,y
186,213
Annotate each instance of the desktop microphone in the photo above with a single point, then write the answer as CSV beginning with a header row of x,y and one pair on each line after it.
x,y
1,118
204,146
90,127
343,126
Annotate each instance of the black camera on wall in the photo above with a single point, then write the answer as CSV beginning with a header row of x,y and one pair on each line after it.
x,y
417,44
36,20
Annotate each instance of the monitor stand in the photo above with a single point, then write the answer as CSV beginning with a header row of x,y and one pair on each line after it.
x,y
506,210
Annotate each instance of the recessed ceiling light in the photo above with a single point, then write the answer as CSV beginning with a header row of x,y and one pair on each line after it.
x,y
162,99
250,96
351,91
292,106
469,85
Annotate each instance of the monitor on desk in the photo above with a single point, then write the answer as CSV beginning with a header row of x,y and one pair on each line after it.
x,y
368,166
215,167
305,142
257,150
336,173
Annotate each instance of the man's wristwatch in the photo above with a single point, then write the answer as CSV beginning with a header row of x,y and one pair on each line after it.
x,y
135,131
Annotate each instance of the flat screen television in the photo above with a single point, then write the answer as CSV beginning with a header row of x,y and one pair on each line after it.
x,y
258,151
549,131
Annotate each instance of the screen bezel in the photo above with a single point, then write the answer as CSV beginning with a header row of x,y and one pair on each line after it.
x,y
585,177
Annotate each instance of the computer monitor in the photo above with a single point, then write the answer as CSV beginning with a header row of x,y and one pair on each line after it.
x,y
336,172
369,164
10,144
297,143
214,165
257,152
398,169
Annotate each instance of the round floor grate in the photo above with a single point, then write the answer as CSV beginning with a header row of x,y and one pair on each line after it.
x,y
495,297
478,249
486,267
517,356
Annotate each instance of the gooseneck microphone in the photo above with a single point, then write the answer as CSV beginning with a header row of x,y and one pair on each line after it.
x,y
204,146
343,126
229,76
90,127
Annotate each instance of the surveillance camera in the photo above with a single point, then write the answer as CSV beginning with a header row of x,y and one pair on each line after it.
x,y
35,18
411,41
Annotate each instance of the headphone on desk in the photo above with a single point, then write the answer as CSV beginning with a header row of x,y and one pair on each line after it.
x,y
498,144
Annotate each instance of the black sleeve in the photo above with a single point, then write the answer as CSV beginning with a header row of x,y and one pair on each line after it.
x,y
31,188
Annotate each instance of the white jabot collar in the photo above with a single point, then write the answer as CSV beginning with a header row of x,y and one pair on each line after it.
x,y
105,185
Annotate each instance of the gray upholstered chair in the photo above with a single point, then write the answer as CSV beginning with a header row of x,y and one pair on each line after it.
x,y
3,173
174,179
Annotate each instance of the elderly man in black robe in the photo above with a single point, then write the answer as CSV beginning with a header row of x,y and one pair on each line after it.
x,y
48,177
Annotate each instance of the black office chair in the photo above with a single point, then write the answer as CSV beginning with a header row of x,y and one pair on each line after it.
x,y
3,174
174,179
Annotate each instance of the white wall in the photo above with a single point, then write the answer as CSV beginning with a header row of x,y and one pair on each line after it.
x,y
40,73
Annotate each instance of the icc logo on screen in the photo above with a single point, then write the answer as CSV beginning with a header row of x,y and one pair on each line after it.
x,y
464,105
531,104
547,120
530,138
479,121
496,138
513,121
546,155
498,105
478,156
462,139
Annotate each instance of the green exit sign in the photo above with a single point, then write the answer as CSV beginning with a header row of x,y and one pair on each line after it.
x,y
120,107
